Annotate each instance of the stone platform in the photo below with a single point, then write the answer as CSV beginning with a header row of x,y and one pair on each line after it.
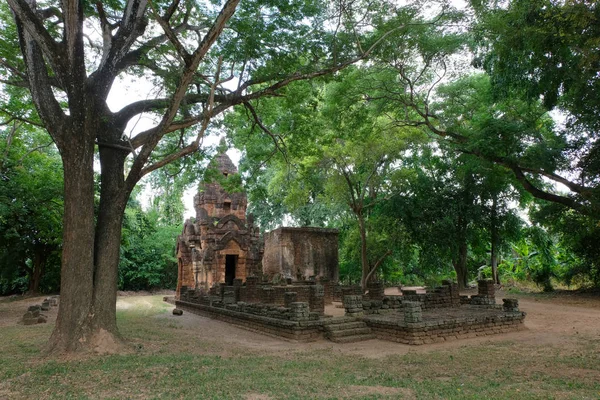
x,y
414,318
439,325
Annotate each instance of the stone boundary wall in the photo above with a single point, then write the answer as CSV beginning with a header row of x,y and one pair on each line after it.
x,y
440,331
443,296
339,291
253,292
300,331
267,294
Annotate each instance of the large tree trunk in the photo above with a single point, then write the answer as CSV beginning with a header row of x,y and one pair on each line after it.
x,y
460,262
113,199
72,325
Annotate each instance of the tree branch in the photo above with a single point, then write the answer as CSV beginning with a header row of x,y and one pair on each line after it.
x,y
35,28
262,126
381,259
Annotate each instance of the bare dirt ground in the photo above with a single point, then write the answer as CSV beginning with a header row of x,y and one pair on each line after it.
x,y
13,308
560,319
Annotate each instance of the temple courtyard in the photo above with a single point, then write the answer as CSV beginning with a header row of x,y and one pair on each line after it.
x,y
556,355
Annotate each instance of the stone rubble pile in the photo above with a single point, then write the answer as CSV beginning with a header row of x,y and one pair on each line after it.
x,y
510,305
34,313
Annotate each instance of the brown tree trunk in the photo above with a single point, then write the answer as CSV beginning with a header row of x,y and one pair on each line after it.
x,y
72,325
364,260
39,262
495,240
460,265
113,199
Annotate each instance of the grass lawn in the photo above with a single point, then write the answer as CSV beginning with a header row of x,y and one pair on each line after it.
x,y
171,361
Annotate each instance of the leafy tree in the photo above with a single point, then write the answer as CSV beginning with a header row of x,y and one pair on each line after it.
x,y
577,236
30,210
509,131
148,249
338,152
530,49
534,47
545,50
261,45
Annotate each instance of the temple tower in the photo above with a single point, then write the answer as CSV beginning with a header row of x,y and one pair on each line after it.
x,y
221,244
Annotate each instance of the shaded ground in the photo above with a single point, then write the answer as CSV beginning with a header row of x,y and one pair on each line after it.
x,y
557,356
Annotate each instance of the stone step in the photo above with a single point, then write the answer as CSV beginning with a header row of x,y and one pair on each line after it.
x,y
345,325
349,332
353,339
339,320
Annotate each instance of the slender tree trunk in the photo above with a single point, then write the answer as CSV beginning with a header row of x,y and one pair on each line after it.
x,y
72,325
364,260
460,265
39,262
495,240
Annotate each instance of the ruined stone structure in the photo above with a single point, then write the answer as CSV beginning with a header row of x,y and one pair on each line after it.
x,y
296,312
221,276
221,244
301,253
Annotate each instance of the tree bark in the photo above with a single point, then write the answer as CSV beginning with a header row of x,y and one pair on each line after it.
x,y
460,264
37,270
495,239
75,311
364,260
113,200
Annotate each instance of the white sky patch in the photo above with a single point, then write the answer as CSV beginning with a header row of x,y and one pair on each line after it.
x,y
130,89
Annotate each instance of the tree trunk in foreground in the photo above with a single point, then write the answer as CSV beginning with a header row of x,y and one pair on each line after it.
x,y
113,200
72,330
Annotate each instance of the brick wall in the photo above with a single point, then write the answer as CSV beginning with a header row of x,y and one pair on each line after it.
x,y
301,331
440,331
444,296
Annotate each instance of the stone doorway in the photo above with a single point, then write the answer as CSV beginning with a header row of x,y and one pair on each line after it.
x,y
230,266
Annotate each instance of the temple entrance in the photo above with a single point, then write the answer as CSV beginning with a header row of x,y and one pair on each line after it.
x,y
230,265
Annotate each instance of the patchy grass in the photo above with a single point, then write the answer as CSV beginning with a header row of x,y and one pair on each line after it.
x,y
172,362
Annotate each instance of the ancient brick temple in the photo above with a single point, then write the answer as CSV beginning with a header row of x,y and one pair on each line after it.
x,y
301,253
221,244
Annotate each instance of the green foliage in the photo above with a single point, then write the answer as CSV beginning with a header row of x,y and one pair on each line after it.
x,y
535,46
578,237
147,250
30,211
